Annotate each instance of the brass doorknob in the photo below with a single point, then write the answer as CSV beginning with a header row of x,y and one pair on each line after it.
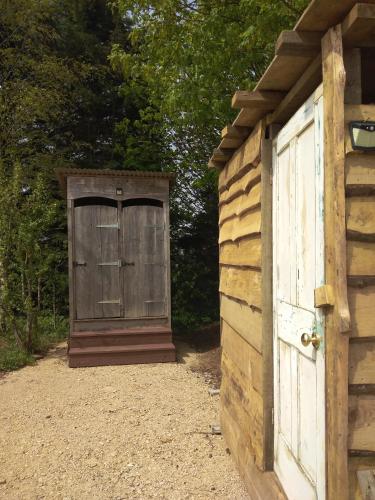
x,y
313,339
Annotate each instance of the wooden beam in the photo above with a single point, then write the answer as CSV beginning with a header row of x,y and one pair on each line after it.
x,y
358,28
353,69
322,14
230,132
215,164
233,137
299,43
337,317
298,94
221,156
257,99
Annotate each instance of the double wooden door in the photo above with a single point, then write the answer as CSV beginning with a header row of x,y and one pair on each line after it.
x,y
119,262
299,368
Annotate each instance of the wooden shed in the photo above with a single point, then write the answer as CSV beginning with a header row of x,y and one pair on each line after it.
x,y
119,267
297,263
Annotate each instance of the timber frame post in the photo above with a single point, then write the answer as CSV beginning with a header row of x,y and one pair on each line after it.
x,y
337,317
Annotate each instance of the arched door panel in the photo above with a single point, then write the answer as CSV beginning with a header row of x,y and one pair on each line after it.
x,y
96,259
144,258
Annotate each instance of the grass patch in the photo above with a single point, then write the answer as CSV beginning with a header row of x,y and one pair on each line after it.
x,y
50,332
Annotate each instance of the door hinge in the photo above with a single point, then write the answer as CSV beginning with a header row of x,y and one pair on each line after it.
x,y
109,226
110,301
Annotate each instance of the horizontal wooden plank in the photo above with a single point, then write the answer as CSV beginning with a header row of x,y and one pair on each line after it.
x,y
299,43
245,405
321,15
242,284
361,423
358,28
360,173
245,252
229,143
241,204
360,217
249,117
248,360
240,227
299,93
243,159
260,485
361,258
256,99
362,362
242,185
283,72
244,320
361,305
230,132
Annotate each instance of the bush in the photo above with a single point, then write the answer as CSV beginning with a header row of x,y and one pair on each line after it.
x,y
50,331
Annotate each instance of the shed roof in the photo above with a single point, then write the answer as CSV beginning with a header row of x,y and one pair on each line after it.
x,y
296,69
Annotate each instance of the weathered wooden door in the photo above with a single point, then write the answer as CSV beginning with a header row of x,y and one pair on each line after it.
x,y
96,259
144,258
299,409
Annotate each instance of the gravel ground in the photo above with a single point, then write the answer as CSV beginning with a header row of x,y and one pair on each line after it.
x,y
126,432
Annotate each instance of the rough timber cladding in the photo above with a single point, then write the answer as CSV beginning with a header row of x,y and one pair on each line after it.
x,y
244,158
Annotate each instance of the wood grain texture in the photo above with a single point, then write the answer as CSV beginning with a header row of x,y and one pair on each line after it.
x,y
261,485
245,252
256,99
267,304
241,204
334,12
360,173
362,362
353,68
240,227
283,72
299,43
299,93
362,423
242,185
247,359
244,404
361,303
246,321
357,464
366,481
242,284
361,258
338,317
360,218
245,157
358,28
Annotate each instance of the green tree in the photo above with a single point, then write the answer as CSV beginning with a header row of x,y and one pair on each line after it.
x,y
192,55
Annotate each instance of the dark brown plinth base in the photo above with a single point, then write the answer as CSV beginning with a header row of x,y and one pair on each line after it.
x,y
121,347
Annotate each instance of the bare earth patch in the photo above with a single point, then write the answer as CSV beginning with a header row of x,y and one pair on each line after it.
x,y
126,432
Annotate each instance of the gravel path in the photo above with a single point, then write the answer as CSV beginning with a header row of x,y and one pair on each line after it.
x,y
127,432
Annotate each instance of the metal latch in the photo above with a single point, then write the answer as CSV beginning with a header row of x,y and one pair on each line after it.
x,y
77,264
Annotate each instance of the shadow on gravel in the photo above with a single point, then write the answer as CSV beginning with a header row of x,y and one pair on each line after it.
x,y
205,344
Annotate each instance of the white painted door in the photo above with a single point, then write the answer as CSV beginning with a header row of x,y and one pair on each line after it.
x,y
299,409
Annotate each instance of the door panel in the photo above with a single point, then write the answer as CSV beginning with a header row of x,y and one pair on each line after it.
x,y
96,259
145,256
299,413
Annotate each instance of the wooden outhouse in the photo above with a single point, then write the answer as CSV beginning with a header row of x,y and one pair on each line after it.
x,y
119,267
297,263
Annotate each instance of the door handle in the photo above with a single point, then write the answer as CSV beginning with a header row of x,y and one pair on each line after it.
x,y
77,264
313,339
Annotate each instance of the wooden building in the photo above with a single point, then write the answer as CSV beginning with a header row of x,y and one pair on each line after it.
x,y
119,267
297,263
